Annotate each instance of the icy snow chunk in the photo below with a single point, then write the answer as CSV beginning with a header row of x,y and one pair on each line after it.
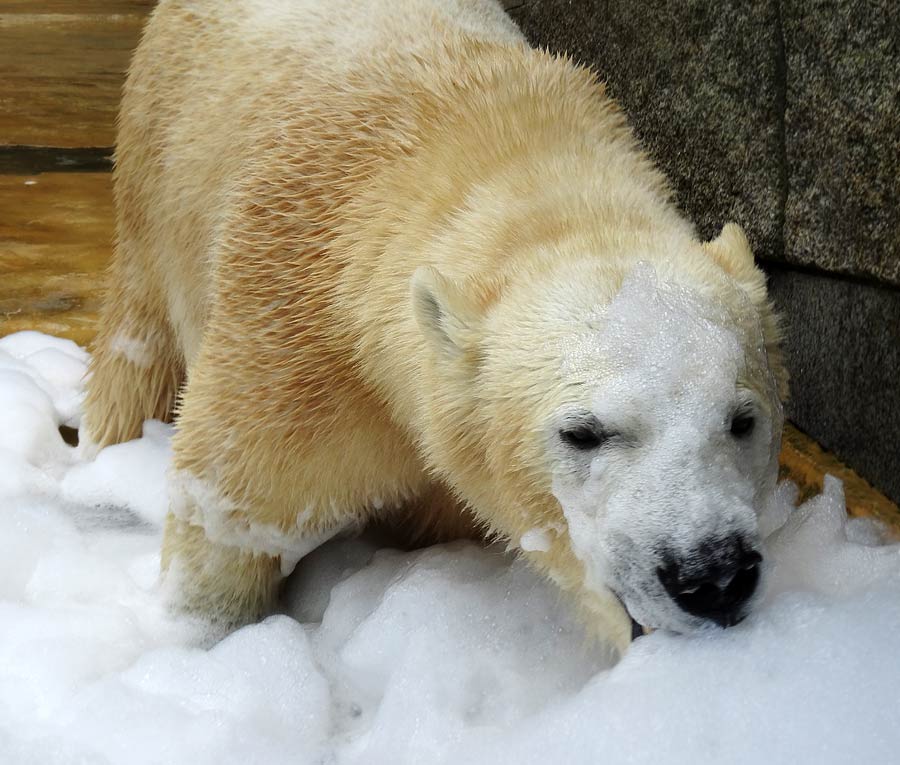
x,y
30,420
812,550
778,509
480,605
535,540
22,345
130,475
57,366
309,589
433,640
257,696
31,529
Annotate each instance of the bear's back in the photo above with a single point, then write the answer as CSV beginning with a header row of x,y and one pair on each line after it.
x,y
214,84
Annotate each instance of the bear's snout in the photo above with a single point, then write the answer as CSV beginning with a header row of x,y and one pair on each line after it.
x,y
715,581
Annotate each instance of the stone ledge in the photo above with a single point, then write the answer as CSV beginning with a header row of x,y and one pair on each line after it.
x,y
781,115
842,130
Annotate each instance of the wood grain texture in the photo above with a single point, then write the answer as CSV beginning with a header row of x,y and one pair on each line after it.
x,y
63,66
56,235
107,7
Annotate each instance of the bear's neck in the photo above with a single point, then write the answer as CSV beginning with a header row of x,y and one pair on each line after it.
x,y
504,160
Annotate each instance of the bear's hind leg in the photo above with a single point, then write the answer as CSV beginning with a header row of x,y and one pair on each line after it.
x,y
135,369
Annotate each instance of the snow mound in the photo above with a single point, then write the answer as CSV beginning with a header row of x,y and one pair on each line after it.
x,y
454,654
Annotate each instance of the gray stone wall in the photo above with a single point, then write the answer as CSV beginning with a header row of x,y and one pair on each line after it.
x,y
843,345
785,117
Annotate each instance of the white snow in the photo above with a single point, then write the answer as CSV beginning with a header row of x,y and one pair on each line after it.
x,y
133,349
535,540
199,503
454,654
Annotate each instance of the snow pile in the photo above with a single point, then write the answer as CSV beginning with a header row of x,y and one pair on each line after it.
x,y
453,654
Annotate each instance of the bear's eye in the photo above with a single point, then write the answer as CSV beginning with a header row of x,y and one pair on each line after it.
x,y
583,436
742,425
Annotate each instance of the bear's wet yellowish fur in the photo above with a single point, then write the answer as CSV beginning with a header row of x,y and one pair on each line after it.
x,y
326,214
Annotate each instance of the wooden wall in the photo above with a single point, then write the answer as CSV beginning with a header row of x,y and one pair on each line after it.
x,y
62,65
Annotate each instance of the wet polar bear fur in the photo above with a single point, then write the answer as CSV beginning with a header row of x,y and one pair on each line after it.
x,y
369,256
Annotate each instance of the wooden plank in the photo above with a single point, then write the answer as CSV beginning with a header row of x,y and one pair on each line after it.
x,y
33,7
56,235
63,73
806,463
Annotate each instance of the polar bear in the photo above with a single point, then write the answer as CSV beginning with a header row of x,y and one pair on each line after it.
x,y
381,259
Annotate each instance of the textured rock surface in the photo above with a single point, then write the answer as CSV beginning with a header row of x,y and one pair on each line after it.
x,y
701,95
843,344
784,116
843,135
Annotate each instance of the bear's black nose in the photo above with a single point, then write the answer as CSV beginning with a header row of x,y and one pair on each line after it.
x,y
715,581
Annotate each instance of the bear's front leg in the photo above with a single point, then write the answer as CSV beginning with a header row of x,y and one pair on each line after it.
x,y
223,584
238,521
268,463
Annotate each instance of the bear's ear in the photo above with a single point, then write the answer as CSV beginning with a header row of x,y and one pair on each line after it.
x,y
731,250
443,310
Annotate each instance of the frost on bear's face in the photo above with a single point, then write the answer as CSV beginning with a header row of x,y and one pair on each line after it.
x,y
664,450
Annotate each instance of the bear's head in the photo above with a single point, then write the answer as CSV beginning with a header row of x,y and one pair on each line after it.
x,y
619,419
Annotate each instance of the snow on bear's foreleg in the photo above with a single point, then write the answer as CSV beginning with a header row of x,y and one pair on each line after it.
x,y
260,477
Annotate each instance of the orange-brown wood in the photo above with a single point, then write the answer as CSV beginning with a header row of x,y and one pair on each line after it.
x,y
101,7
806,463
56,234
63,65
